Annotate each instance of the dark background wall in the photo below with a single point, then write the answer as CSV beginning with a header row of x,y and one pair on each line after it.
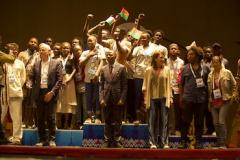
x,y
205,21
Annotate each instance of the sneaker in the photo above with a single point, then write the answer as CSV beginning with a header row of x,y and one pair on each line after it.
x,y
16,141
183,144
153,146
222,147
137,122
214,134
52,144
40,144
166,146
88,120
98,121
10,139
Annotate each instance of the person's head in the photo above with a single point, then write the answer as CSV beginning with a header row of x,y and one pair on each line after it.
x,y
158,36
216,62
33,44
77,50
49,41
12,48
207,53
105,34
194,55
217,49
66,49
145,38
158,59
174,50
44,51
57,49
91,42
118,33
110,56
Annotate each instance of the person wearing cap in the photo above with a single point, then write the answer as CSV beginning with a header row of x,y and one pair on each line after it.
x,y
218,51
193,96
46,79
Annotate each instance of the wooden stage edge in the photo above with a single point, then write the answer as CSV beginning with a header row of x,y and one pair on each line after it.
x,y
120,153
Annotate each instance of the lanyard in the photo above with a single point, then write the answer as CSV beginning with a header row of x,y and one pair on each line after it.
x,y
218,80
194,75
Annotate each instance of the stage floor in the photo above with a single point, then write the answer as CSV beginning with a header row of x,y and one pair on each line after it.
x,y
72,153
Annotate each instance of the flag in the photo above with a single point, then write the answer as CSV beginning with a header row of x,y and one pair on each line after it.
x,y
110,20
124,14
135,33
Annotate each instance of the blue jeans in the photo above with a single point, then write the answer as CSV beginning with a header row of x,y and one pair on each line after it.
x,y
92,96
158,122
219,120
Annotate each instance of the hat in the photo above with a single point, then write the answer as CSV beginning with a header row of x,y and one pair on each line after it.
x,y
216,46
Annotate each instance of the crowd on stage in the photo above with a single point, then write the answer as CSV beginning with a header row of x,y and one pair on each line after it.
x,y
116,76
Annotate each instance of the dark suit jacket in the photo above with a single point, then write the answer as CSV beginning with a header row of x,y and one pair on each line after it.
x,y
55,77
115,86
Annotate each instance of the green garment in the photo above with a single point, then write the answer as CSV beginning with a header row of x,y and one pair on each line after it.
x,y
4,58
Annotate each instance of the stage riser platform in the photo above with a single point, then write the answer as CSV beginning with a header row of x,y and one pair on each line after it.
x,y
92,135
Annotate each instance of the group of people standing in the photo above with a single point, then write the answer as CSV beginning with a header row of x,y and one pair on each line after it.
x,y
117,78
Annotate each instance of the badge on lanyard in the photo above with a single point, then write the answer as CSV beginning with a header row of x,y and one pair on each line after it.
x,y
217,94
44,80
199,82
11,78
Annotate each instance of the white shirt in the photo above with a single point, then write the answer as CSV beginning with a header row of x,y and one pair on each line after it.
x,y
44,74
92,63
175,69
16,75
142,58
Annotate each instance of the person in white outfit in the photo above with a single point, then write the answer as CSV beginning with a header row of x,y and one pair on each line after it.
x,y
13,94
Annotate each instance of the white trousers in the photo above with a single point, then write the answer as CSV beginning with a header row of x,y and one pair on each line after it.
x,y
15,110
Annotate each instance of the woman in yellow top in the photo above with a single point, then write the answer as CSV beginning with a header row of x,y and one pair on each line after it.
x,y
157,97
221,86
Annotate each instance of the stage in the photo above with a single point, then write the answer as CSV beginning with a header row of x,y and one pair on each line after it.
x,y
116,153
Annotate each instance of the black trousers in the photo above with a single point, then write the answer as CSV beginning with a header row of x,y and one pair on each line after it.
x,y
190,110
113,122
46,117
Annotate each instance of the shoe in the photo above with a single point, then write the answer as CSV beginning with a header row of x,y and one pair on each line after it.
x,y
52,144
137,122
106,144
10,139
40,144
183,144
222,147
98,121
198,145
16,141
4,141
118,145
88,120
153,146
214,134
166,146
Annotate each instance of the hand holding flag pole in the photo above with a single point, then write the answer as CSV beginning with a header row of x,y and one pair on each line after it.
x,y
87,22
